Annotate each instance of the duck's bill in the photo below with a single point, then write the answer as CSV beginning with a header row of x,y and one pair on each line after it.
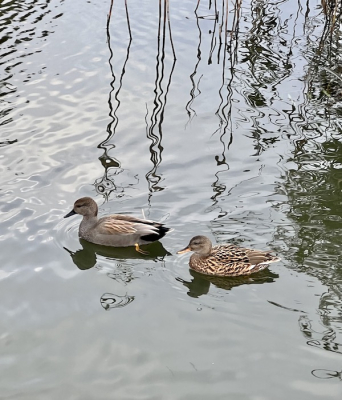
x,y
183,251
72,212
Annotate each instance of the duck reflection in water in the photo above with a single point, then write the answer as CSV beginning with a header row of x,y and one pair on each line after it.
x,y
200,284
86,257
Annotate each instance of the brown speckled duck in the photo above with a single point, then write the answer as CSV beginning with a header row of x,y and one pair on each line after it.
x,y
115,230
226,259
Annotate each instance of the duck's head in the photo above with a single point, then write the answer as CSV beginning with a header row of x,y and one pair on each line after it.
x,y
200,245
85,206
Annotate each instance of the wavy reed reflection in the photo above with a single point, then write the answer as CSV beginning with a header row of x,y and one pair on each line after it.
x,y
313,192
8,142
221,27
224,110
322,339
325,340
267,48
106,185
313,187
324,66
195,86
326,374
110,300
313,175
230,48
154,130
112,166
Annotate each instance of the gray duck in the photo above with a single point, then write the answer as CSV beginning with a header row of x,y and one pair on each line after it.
x,y
115,230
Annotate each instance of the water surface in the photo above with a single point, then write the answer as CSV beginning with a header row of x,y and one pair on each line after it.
x,y
237,138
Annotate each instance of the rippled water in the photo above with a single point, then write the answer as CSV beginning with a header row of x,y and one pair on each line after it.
x,y
238,139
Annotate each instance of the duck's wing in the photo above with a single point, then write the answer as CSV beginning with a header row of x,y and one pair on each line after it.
x,y
230,260
256,257
234,261
231,254
228,254
125,225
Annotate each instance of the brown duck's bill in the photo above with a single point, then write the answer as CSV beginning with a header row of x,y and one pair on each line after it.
x,y
184,250
72,212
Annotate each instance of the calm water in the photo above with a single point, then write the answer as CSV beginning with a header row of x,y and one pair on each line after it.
x,y
238,139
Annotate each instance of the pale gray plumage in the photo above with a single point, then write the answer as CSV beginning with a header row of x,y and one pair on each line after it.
x,y
114,230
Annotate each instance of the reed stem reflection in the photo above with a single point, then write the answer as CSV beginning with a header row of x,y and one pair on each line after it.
x,y
154,127
112,166
191,112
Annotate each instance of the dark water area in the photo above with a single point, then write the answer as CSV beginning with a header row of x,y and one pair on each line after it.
x,y
216,118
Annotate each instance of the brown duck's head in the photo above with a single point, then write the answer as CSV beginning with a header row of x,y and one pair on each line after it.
x,y
200,245
85,206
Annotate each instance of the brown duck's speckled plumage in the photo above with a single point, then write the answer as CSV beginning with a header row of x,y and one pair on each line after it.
x,y
227,259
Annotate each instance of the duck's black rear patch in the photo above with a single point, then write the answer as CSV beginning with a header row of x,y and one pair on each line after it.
x,y
162,231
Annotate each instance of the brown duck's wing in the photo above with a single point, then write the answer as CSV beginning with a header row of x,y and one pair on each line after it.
x,y
229,254
258,257
230,260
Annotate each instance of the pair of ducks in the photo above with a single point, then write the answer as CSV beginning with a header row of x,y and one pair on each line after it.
x,y
124,230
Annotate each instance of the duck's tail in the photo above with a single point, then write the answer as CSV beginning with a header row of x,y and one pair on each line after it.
x,y
274,259
160,232
263,265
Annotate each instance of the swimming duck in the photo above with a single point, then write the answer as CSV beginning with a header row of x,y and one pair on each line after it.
x,y
225,259
115,230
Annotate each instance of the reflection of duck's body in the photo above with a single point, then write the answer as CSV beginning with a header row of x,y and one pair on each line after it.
x,y
227,259
200,283
86,257
115,230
